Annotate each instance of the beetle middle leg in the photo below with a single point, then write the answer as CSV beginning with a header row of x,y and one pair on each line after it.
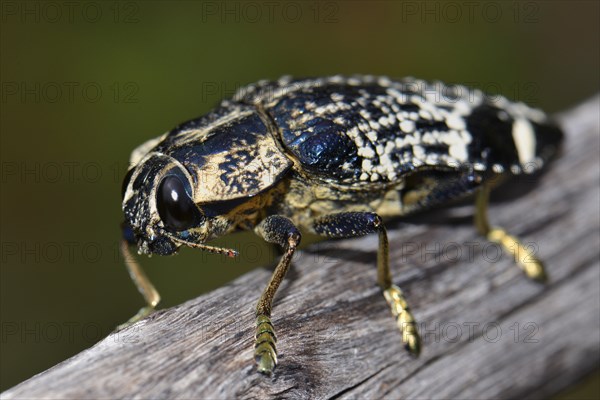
x,y
532,267
278,230
355,224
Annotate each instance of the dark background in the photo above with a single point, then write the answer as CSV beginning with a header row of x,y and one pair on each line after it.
x,y
82,84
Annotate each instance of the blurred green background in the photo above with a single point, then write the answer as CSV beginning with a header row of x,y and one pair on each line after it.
x,y
84,83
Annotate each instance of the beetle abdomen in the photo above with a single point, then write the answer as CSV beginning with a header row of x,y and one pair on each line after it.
x,y
520,140
365,130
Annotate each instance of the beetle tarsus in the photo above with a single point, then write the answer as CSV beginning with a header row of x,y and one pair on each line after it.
x,y
265,350
404,318
531,265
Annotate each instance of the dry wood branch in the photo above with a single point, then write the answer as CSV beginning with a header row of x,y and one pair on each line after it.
x,y
337,337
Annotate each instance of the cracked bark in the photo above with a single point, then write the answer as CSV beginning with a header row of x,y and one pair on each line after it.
x,y
488,332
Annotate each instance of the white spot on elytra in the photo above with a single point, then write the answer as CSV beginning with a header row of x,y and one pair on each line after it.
x,y
310,105
337,97
524,138
458,151
366,152
419,152
425,114
383,121
407,126
374,125
456,122
339,121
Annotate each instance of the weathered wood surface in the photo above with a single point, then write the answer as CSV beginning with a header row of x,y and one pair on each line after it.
x,y
337,338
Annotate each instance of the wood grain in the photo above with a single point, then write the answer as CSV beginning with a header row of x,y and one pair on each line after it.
x,y
488,332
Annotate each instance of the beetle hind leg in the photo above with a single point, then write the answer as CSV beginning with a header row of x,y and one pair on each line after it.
x,y
355,224
531,266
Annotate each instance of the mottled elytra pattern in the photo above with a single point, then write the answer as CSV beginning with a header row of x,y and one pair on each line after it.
x,y
334,143
372,129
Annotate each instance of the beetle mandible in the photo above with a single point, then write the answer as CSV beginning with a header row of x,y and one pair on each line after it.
x,y
332,156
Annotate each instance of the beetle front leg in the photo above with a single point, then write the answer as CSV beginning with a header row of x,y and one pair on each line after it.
x,y
354,224
278,230
533,268
143,284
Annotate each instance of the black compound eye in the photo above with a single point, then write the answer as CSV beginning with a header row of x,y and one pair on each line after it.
x,y
177,211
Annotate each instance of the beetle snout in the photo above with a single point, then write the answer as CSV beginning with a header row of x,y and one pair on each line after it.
x,y
160,245
163,246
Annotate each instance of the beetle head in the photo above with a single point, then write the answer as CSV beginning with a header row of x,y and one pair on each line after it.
x,y
160,214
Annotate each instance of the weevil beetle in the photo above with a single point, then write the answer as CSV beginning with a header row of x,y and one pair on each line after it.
x,y
333,156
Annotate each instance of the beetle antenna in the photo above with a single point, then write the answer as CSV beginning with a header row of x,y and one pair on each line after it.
x,y
205,247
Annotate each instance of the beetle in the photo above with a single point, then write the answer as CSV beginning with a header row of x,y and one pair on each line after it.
x,y
333,156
